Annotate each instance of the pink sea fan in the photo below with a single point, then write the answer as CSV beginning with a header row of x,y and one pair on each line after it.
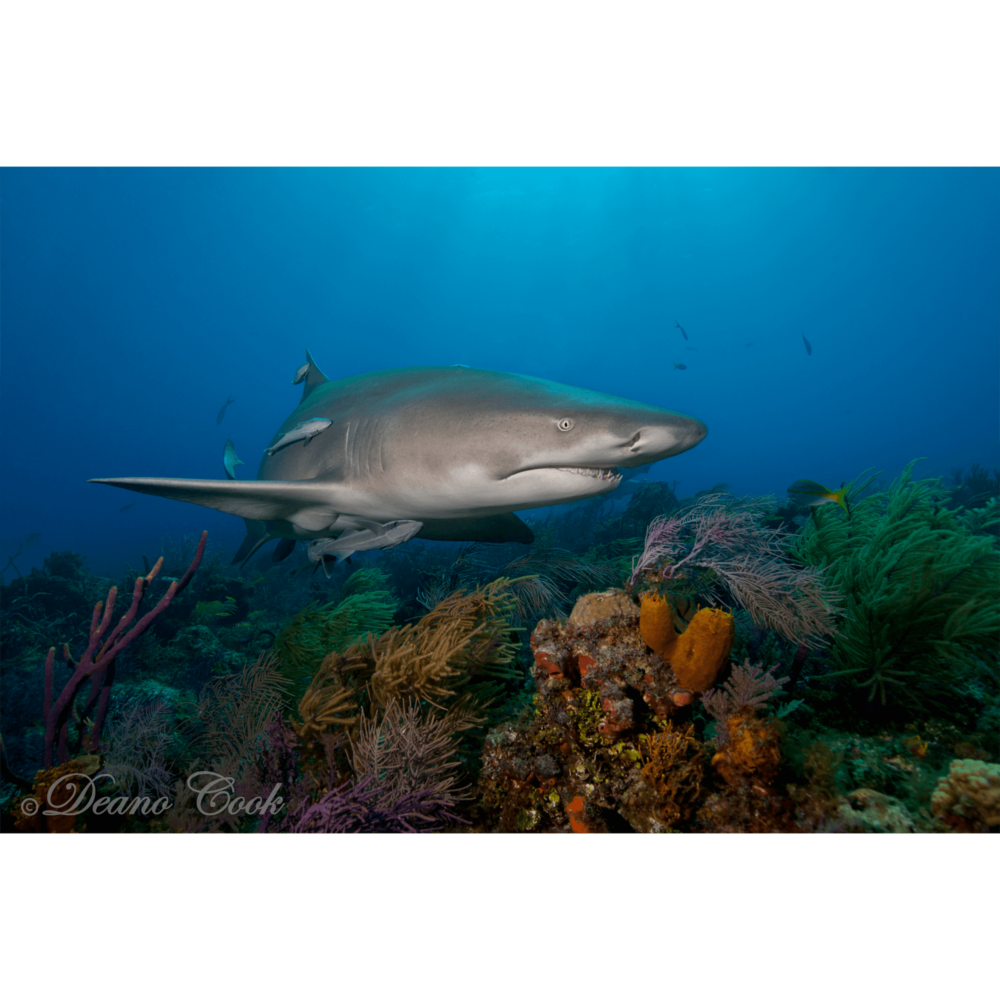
x,y
723,534
748,685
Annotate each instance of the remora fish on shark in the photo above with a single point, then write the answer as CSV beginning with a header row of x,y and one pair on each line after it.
x,y
458,449
304,431
328,551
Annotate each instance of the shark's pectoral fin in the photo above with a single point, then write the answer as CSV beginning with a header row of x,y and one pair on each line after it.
x,y
304,502
317,518
491,528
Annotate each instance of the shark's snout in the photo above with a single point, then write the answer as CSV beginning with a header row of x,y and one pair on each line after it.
x,y
663,440
695,434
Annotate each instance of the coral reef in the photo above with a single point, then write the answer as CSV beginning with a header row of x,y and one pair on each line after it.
x,y
580,686
921,606
98,664
967,798
868,811
594,607
602,749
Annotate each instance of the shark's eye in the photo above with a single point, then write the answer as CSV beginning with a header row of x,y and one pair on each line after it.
x,y
565,424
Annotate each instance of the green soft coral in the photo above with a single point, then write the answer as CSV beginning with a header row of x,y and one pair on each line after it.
x,y
920,584
329,628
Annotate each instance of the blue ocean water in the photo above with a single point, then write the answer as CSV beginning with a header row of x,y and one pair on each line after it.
x,y
136,302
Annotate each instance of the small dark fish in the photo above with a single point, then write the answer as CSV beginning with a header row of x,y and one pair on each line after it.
x,y
749,343
681,328
682,367
128,506
222,412
690,348
809,349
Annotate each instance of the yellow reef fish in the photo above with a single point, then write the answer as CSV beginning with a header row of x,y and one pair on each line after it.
x,y
820,494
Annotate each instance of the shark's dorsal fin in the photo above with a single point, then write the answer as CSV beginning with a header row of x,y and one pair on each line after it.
x,y
314,377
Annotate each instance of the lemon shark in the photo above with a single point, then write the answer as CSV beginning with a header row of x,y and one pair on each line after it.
x,y
458,449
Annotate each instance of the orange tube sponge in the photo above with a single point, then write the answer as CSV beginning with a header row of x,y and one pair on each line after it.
x,y
656,624
703,649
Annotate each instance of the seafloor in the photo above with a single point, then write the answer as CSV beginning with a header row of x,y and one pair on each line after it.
x,y
699,664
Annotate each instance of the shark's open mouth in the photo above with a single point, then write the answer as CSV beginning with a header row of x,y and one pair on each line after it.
x,y
610,474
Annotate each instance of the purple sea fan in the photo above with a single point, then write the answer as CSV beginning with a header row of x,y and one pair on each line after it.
x,y
748,685
722,534
365,807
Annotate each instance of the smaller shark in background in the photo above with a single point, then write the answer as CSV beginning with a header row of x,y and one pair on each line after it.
x,y
327,552
809,349
230,460
222,412
681,328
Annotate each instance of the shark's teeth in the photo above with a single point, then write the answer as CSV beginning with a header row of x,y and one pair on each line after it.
x,y
593,473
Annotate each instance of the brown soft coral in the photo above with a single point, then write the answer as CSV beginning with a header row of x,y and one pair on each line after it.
x,y
673,769
753,750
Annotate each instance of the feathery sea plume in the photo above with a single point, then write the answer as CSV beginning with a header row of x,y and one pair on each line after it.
x,y
318,630
920,582
136,736
235,711
718,542
407,749
749,686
